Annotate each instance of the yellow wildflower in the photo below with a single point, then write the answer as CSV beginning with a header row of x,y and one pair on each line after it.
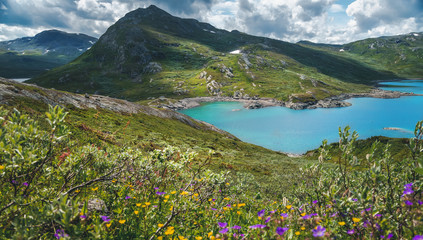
x,y
122,221
147,203
198,238
303,228
77,190
1,167
297,233
171,208
341,223
289,207
165,200
173,192
108,225
170,231
159,238
226,198
241,204
228,184
94,189
238,212
136,212
303,214
210,233
167,196
138,204
182,238
356,219
184,193
160,225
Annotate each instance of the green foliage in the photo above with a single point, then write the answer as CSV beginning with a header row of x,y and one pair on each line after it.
x,y
52,187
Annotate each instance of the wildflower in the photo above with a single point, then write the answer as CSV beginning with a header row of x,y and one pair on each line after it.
x,y
355,199
127,197
214,209
60,233
390,236
261,213
169,231
267,220
122,221
222,224
160,193
302,228
289,207
341,223
280,231
238,212
147,203
420,202
284,214
210,233
236,227
136,212
105,218
408,203
241,204
315,202
83,217
25,184
1,167
94,189
319,231
182,238
138,204
350,232
356,219
198,238
297,233
224,230
173,192
159,238
184,193
227,199
108,225
418,237
257,226
306,217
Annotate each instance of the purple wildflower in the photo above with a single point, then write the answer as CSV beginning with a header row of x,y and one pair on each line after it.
x,y
272,211
229,205
418,237
60,233
314,214
368,209
408,203
236,227
390,236
378,215
355,199
160,193
284,215
224,231
25,184
319,231
156,188
105,218
408,185
350,232
366,223
14,182
127,197
306,217
420,202
222,224
258,226
315,202
261,213
267,220
83,217
280,231
214,209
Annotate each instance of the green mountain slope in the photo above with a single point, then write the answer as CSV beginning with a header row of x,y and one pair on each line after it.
x,y
150,53
30,56
402,54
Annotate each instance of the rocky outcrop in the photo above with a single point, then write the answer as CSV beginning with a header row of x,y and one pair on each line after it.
x,y
11,90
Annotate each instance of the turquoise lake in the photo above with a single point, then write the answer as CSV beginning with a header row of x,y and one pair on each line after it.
x,y
296,131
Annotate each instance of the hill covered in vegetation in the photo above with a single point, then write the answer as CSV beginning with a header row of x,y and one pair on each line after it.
x,y
30,56
102,168
150,53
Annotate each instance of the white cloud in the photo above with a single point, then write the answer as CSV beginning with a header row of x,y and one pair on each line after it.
x,y
336,8
12,32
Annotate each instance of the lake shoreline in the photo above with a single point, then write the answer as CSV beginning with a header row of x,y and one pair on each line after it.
x,y
255,103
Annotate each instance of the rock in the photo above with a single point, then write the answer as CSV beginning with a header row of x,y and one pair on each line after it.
x,y
153,67
96,204
253,105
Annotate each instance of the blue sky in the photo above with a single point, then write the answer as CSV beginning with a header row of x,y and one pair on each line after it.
x,y
325,21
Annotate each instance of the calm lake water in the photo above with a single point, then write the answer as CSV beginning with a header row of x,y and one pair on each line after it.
x,y
296,131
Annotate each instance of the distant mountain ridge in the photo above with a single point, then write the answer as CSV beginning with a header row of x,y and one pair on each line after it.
x,y
149,54
30,56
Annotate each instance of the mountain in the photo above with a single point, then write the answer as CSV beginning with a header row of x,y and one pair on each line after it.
x,y
30,56
401,54
150,53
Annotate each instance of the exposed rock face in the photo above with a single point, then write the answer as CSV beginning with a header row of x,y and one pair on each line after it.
x,y
10,90
153,67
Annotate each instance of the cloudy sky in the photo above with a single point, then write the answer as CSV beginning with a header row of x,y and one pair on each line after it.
x,y
326,21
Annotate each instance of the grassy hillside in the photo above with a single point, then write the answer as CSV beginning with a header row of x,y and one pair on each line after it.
x,y
402,54
149,53
87,173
